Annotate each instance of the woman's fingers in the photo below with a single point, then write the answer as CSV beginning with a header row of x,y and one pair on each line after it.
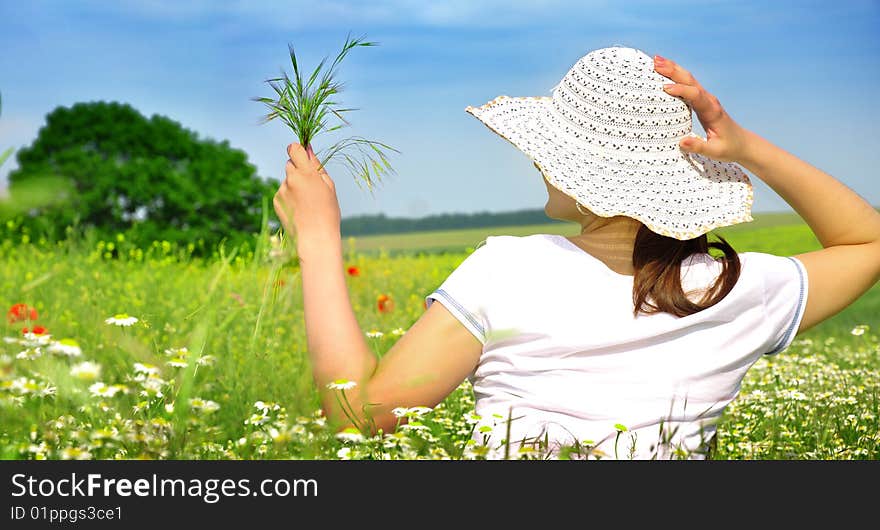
x,y
298,155
674,71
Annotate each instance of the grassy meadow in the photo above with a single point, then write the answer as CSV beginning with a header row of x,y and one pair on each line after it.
x,y
215,366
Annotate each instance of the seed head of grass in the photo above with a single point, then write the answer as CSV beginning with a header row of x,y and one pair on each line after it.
x,y
306,106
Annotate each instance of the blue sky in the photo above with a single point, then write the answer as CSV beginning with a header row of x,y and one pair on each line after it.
x,y
803,74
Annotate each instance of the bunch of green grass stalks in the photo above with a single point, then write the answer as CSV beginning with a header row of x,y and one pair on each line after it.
x,y
307,105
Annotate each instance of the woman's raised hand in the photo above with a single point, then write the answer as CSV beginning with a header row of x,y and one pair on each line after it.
x,y
725,140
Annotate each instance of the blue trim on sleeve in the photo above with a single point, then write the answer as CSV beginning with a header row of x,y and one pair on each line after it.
x,y
797,315
475,326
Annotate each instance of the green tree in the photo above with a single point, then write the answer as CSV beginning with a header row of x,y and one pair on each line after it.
x,y
150,178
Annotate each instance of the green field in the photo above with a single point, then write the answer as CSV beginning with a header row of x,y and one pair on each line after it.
x,y
457,240
242,387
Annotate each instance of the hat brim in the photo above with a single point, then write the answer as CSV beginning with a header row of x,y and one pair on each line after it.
x,y
677,194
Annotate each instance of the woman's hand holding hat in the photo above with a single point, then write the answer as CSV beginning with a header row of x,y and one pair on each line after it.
x,y
726,140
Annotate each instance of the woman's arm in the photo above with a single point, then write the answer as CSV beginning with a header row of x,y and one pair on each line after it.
x,y
427,363
845,224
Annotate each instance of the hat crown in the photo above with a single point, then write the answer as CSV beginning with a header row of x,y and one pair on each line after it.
x,y
613,99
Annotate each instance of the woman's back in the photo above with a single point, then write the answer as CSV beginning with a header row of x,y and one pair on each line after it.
x,y
564,356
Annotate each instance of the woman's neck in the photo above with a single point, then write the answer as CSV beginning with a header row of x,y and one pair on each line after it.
x,y
610,240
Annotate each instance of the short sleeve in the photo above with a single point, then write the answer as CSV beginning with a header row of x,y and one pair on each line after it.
x,y
466,290
785,298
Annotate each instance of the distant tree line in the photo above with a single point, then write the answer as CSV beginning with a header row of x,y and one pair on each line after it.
x,y
362,225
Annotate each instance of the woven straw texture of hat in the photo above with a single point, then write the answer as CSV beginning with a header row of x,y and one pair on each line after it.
x,y
608,137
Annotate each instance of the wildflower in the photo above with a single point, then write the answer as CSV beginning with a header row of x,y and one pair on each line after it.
x,y
75,453
257,419
204,405
86,371
121,319
472,417
152,385
350,435
344,453
341,384
265,407
20,312
859,330
100,389
67,347
30,354
374,334
399,411
169,407
275,251
37,330
148,369
353,271
384,303
398,332
177,362
206,360
414,426
279,437
417,412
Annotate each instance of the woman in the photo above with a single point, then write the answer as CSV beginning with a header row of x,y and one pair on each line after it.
x,y
629,339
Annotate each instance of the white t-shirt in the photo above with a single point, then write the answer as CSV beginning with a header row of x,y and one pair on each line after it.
x,y
565,358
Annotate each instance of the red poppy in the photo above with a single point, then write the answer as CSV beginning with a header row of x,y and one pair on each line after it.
x,y
21,312
384,303
354,271
38,330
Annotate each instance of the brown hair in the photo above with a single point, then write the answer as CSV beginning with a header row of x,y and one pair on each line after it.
x,y
657,263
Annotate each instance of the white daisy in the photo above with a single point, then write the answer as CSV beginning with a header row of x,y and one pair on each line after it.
x,y
152,386
100,389
177,362
417,412
87,371
75,453
859,330
31,340
67,347
29,354
203,405
341,384
399,411
344,453
398,332
177,352
206,360
121,319
350,435
148,369
257,419
375,334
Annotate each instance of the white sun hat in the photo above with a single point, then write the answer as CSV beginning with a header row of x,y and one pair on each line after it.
x,y
608,137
